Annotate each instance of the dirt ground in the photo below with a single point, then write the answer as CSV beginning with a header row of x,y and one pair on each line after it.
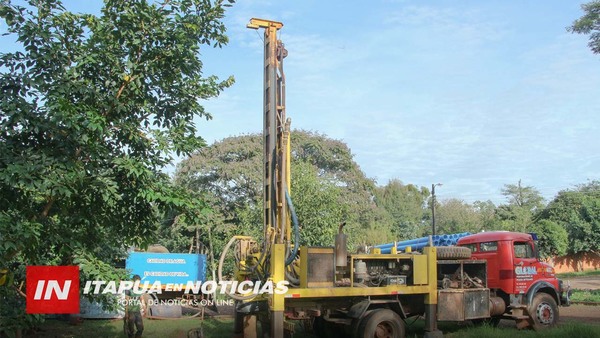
x,y
580,313
584,283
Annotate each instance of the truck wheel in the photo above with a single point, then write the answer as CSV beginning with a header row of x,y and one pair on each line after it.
x,y
453,252
543,311
381,323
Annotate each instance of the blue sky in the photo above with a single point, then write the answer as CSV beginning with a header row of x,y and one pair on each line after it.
x,y
470,94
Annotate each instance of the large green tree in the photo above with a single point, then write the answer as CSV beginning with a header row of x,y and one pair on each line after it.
x,y
405,204
455,216
589,24
487,214
231,170
552,238
317,203
526,197
523,204
92,107
577,211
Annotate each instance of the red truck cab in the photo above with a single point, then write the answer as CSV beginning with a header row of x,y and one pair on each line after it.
x,y
528,287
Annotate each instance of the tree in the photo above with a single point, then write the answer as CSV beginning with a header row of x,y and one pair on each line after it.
x,y
526,197
487,213
231,170
589,23
552,238
92,107
523,203
405,204
578,211
455,216
317,202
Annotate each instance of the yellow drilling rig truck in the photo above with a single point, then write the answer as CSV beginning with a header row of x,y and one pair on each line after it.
x,y
342,294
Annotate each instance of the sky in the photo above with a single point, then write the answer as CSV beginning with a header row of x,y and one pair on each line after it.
x,y
470,94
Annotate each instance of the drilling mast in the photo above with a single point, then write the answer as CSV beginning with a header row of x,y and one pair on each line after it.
x,y
363,293
276,169
276,132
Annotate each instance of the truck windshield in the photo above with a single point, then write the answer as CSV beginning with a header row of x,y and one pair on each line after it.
x,y
488,246
524,250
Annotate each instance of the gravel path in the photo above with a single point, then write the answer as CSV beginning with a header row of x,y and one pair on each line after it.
x,y
584,283
580,313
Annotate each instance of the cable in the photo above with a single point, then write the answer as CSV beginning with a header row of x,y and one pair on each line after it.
x,y
294,252
414,321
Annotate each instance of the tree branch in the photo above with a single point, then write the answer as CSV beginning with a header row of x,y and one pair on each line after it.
x,y
48,206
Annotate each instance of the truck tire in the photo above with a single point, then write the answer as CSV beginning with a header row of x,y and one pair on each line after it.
x,y
453,252
543,311
381,323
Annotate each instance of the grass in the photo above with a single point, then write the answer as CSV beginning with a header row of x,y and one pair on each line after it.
x,y
223,328
564,330
578,274
177,328
506,329
586,296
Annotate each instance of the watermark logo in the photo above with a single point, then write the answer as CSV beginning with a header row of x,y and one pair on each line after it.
x,y
52,289
55,289
208,287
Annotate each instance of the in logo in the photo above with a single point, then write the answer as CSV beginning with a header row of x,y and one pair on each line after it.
x,y
52,289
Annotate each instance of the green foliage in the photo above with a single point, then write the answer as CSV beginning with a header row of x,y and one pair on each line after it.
x,y
92,268
578,211
514,218
317,203
564,275
586,296
523,203
91,110
335,164
589,24
487,215
405,205
92,107
12,308
328,188
455,216
552,238
526,197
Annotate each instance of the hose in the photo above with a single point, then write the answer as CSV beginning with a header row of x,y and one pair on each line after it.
x,y
288,260
291,276
294,252
295,282
220,268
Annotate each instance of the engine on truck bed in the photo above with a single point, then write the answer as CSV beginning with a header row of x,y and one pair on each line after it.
x,y
382,272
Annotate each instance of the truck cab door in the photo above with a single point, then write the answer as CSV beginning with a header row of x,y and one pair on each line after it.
x,y
525,266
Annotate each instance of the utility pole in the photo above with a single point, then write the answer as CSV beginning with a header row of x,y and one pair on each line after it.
x,y
433,207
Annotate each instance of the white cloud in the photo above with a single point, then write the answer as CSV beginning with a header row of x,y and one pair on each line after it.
x,y
461,94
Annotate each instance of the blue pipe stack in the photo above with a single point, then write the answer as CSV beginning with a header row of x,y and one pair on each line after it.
x,y
420,243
